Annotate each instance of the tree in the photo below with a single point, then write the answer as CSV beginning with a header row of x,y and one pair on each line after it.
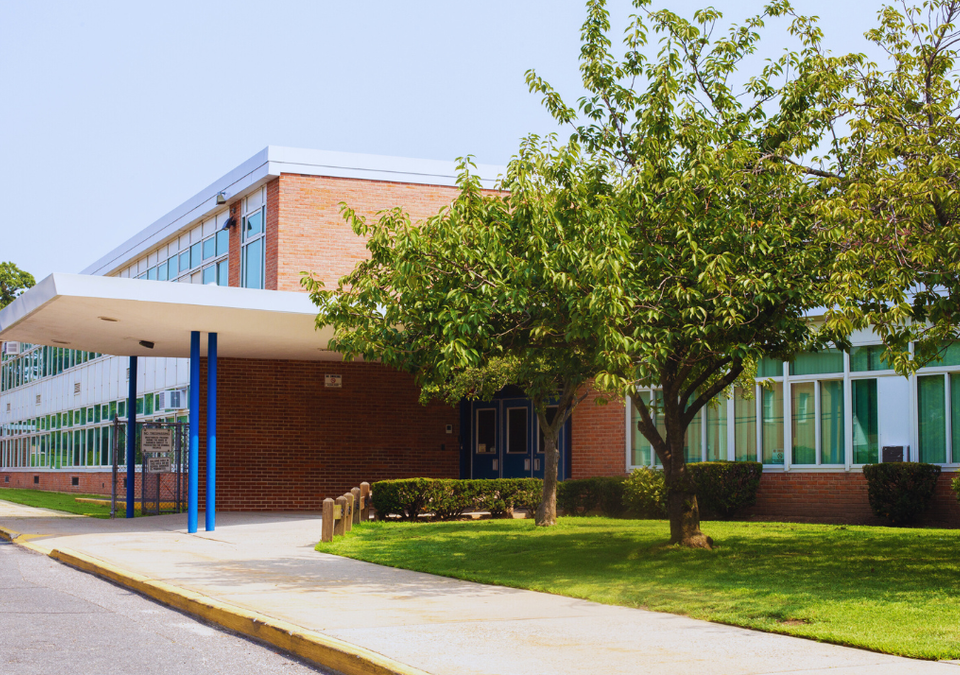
x,y
13,281
719,214
892,174
516,287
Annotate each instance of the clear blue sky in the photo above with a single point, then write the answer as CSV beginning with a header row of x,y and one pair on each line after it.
x,y
115,112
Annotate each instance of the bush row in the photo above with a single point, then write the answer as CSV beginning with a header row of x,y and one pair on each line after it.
x,y
724,488
448,498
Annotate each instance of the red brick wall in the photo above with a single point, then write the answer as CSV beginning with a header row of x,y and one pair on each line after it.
x,y
311,234
93,483
598,438
285,441
839,497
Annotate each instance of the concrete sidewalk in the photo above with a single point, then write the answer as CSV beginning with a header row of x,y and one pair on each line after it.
x,y
258,574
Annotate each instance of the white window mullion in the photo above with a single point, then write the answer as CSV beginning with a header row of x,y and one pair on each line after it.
x,y
948,417
816,422
847,414
731,428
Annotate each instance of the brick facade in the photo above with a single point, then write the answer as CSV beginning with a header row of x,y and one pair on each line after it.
x,y
285,441
310,233
598,438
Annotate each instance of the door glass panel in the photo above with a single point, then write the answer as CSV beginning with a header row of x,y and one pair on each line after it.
x,y
517,431
831,422
866,423
804,423
486,431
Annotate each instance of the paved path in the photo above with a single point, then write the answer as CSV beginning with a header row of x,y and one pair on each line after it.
x,y
265,564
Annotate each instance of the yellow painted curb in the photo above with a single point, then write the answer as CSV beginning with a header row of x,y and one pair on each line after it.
x,y
8,535
324,650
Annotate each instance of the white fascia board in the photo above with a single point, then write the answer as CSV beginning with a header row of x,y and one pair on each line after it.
x,y
241,179
269,163
27,302
374,167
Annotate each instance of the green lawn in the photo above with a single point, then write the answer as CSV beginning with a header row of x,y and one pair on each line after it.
x,y
59,501
886,589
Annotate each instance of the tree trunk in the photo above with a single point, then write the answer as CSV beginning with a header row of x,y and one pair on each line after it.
x,y
547,511
682,508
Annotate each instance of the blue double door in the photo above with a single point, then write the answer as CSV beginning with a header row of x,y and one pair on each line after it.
x,y
505,440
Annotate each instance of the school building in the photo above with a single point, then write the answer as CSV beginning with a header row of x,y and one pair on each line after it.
x,y
218,279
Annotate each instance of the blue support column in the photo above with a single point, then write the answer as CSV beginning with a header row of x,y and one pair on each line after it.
x,y
211,512
131,436
193,493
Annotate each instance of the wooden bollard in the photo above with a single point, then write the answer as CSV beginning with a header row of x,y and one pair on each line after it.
x,y
341,505
348,516
365,501
327,521
357,505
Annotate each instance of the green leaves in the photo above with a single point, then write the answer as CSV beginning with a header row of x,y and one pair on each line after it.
x,y
13,281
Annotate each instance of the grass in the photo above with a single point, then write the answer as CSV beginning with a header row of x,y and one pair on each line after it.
x,y
58,501
891,590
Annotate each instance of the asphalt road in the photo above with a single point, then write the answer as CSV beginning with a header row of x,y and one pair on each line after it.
x,y
55,620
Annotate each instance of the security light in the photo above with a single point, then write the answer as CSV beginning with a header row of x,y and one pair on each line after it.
x,y
221,198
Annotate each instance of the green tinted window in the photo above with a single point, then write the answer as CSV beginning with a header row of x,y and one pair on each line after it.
x,y
932,425
865,422
815,363
769,367
863,359
949,355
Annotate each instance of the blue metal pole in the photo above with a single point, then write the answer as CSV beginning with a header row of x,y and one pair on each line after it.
x,y
131,436
193,493
211,511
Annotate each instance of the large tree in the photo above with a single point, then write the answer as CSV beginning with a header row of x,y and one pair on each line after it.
x,y
892,173
13,281
519,287
719,217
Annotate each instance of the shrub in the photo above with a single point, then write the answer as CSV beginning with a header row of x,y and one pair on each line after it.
x,y
955,484
725,488
450,498
499,496
901,491
526,493
585,495
405,497
644,493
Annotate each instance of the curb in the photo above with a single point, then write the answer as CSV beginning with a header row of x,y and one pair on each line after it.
x,y
8,535
324,650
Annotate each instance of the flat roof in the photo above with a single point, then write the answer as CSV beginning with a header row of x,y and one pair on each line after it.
x,y
269,163
111,315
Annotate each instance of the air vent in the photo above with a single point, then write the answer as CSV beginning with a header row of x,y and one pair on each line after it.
x,y
128,373
76,388
172,400
38,399
8,406
75,481
11,348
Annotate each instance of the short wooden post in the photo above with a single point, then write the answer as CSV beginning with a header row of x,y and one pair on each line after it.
x,y
326,523
341,505
348,516
357,505
365,501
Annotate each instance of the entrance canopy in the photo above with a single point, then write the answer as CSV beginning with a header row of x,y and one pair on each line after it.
x,y
136,317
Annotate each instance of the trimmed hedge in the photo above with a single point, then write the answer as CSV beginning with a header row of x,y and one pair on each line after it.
x,y
448,498
901,491
604,494
725,488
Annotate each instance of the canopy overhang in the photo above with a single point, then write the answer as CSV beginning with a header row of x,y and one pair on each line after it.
x,y
124,317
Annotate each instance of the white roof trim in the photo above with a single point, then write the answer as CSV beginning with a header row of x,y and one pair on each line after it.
x,y
67,310
269,163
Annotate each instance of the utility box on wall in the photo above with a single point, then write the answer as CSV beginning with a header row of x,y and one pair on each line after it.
x,y
895,453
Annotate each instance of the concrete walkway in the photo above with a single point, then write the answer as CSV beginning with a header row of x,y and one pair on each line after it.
x,y
258,573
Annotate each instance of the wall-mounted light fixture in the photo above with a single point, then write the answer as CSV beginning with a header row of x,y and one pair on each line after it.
x,y
221,197
231,221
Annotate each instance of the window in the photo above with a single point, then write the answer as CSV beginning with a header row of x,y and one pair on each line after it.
x,y
866,422
252,261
